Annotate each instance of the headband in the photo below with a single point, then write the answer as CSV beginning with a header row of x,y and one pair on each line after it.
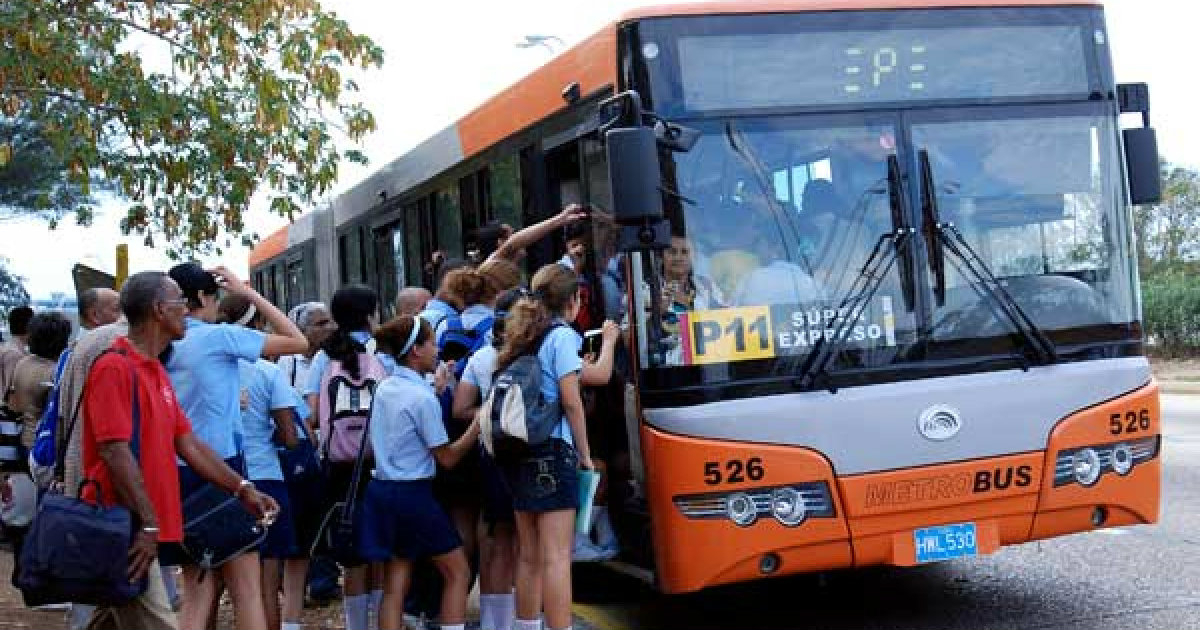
x,y
249,315
412,336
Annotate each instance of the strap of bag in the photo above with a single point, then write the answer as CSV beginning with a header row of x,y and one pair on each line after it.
x,y
135,440
352,491
295,366
60,463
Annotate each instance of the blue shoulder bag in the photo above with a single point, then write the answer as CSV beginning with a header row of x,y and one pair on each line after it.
x,y
78,552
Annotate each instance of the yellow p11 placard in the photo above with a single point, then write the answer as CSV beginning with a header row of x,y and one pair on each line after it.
x,y
728,334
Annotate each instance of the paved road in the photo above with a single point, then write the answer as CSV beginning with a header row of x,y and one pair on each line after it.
x,y
1138,577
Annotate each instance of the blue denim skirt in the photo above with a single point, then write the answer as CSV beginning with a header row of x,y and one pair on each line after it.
x,y
546,479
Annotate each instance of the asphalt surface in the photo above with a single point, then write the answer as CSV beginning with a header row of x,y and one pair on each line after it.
x,y
1145,577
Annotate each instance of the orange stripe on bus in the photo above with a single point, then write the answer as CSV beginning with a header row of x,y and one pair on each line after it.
x,y
592,63
269,247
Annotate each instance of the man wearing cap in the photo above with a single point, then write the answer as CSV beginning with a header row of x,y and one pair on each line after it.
x,y
204,370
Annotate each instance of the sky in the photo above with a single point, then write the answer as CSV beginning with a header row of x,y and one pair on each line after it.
x,y
443,59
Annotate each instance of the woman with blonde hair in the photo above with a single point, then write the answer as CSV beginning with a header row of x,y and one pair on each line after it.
x,y
545,480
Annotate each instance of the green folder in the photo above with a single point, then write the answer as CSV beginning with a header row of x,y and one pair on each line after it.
x,y
589,481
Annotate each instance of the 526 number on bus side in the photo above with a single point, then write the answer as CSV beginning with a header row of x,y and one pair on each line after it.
x,y
1129,422
734,471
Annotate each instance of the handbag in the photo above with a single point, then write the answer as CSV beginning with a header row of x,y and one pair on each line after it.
x,y
216,528
77,551
337,533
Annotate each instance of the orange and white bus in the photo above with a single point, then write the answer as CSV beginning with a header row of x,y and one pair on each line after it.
x,y
889,312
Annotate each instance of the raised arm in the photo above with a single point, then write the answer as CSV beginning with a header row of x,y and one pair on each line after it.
x,y
538,231
287,338
599,372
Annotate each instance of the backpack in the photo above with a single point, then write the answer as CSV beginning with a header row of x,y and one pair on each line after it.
x,y
458,343
44,452
516,415
344,403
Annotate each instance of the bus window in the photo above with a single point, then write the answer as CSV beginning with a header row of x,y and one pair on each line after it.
x,y
295,283
448,221
505,190
774,221
272,286
343,257
1032,196
398,252
281,292
351,256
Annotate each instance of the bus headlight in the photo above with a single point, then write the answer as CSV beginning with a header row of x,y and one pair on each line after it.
x,y
791,505
1122,459
741,509
1086,464
787,504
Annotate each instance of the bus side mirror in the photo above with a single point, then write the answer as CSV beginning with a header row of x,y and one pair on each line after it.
x,y
1141,146
1141,164
633,172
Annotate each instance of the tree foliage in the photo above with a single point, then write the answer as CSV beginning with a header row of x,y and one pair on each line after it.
x,y
12,289
33,180
190,107
1168,233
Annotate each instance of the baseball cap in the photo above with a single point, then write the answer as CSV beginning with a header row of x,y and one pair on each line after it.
x,y
193,280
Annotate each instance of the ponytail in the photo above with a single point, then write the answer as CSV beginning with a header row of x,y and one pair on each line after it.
x,y
553,288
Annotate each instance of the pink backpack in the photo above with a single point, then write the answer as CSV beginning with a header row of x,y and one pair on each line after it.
x,y
344,404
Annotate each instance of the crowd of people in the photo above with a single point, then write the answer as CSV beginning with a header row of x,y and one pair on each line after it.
x,y
190,380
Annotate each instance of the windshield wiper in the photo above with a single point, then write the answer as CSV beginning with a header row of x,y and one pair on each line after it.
x,y
942,236
888,248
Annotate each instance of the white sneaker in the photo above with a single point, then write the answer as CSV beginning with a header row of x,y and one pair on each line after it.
x,y
586,551
413,622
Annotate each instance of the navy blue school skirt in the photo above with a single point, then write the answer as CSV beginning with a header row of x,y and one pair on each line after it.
x,y
281,540
401,519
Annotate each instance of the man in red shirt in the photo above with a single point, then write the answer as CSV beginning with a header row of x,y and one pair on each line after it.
x,y
148,482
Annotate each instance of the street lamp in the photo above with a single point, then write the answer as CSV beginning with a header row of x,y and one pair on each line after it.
x,y
540,40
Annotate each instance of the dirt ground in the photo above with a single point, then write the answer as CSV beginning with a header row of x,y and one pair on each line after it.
x,y
15,616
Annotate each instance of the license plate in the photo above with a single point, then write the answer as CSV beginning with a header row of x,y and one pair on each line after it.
x,y
934,544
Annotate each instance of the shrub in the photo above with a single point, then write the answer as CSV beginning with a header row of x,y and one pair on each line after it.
x,y
1171,310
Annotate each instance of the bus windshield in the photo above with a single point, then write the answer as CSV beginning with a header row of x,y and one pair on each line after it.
x,y
775,218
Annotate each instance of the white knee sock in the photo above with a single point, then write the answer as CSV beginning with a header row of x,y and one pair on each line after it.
x,y
373,608
290,625
487,611
506,609
356,611
527,624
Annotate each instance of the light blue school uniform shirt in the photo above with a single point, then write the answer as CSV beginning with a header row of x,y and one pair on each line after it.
x,y
204,371
406,425
265,389
320,361
481,370
559,356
